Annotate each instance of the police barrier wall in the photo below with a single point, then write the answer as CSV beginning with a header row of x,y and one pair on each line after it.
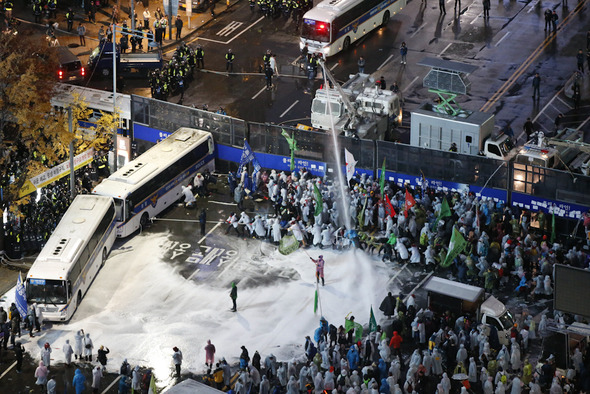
x,y
533,187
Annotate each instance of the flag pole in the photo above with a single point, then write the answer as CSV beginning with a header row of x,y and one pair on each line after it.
x,y
317,288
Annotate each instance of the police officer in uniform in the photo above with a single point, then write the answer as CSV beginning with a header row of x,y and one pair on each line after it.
x,y
200,56
229,57
70,19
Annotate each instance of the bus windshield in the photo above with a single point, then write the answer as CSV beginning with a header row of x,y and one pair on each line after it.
x,y
316,30
46,291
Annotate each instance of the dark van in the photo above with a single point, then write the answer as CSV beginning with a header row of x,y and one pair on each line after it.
x,y
70,67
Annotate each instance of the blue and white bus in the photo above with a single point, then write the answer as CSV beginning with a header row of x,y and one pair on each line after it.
x,y
149,184
98,101
333,25
71,258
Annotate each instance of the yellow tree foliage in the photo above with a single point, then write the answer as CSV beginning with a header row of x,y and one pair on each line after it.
x,y
31,138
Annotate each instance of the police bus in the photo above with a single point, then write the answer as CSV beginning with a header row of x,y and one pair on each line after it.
x,y
147,185
332,25
71,258
98,101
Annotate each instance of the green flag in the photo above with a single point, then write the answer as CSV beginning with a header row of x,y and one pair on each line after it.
x,y
319,203
553,227
352,325
372,321
315,302
348,325
456,246
292,146
382,178
358,332
445,211
288,244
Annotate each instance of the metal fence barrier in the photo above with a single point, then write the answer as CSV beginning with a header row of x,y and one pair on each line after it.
x,y
400,158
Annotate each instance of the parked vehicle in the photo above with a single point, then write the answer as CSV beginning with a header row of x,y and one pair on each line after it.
x,y
460,298
138,63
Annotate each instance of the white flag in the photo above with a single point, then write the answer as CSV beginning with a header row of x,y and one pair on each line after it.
x,y
350,164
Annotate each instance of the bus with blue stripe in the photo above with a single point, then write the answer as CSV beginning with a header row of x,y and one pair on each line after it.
x,y
152,182
333,25
72,257
97,101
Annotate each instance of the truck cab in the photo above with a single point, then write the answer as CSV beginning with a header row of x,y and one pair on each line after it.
x,y
499,147
461,298
138,63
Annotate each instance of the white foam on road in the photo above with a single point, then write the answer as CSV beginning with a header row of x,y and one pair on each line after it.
x,y
139,306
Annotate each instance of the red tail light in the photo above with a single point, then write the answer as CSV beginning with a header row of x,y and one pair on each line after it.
x,y
83,71
60,74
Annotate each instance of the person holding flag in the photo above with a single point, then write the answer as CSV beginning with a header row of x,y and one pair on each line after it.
x,y
319,268
292,147
410,202
350,165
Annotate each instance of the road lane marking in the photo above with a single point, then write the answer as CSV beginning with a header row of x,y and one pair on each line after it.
x,y
418,30
259,93
112,384
334,66
530,59
385,62
476,18
229,29
532,5
502,39
410,84
444,50
222,202
8,369
233,38
289,109
209,232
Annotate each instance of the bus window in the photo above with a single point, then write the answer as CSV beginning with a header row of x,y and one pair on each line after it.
x,y
69,289
316,30
46,291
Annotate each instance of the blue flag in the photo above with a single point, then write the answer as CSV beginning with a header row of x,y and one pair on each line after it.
x,y
20,298
247,157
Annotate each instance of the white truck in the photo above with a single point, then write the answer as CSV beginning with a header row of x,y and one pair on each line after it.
x,y
566,149
460,298
356,108
471,132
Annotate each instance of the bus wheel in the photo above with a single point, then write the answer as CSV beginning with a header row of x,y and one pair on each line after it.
x,y
106,72
346,44
144,220
385,19
104,257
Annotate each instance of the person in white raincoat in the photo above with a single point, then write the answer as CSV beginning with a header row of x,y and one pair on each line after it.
x,y
78,344
88,346
446,383
515,361
259,229
472,370
68,351
292,386
436,362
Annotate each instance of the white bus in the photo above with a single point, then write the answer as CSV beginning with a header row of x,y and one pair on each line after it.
x,y
332,25
147,185
96,100
71,258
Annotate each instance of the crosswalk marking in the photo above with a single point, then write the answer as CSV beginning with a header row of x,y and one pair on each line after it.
x,y
229,29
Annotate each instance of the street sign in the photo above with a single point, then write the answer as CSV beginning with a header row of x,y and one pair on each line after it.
x,y
189,8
